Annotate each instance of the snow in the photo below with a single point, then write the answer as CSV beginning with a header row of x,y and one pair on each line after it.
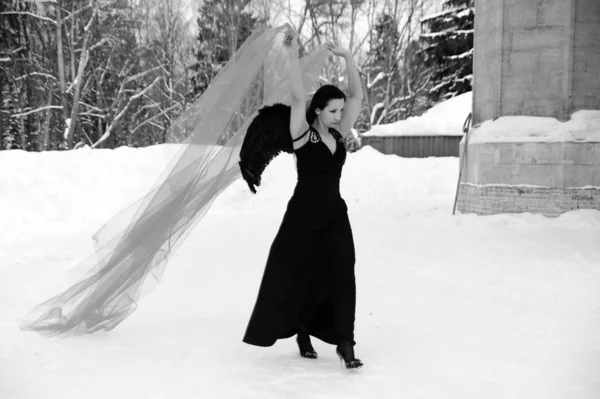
x,y
464,13
433,35
453,11
453,30
586,187
462,306
462,55
445,118
506,185
67,124
465,78
380,76
584,126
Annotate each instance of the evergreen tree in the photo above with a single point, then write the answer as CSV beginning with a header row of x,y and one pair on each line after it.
x,y
448,49
222,28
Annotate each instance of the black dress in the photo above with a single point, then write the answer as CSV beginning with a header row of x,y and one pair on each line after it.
x,y
309,276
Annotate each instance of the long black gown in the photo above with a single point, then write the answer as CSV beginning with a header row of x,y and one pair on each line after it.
x,y
309,276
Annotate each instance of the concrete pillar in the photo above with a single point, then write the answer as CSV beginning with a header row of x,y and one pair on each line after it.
x,y
534,58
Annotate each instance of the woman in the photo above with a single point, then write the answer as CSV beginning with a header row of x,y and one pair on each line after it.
x,y
136,243
308,287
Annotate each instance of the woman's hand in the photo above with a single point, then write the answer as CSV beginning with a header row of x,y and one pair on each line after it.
x,y
337,50
290,38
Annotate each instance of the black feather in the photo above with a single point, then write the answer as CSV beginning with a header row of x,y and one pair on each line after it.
x,y
267,136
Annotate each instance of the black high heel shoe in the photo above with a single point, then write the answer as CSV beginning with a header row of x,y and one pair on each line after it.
x,y
304,345
345,351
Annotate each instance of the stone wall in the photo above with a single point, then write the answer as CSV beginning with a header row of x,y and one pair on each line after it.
x,y
552,164
552,202
549,178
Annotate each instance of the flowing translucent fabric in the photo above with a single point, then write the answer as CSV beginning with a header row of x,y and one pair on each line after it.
x,y
136,243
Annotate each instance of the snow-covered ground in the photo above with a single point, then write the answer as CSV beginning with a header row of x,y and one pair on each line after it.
x,y
462,306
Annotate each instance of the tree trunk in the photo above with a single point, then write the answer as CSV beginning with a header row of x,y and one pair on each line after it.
x,y
22,133
353,11
61,66
83,59
368,100
72,44
45,139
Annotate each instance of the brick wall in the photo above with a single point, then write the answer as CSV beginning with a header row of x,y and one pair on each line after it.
x,y
490,200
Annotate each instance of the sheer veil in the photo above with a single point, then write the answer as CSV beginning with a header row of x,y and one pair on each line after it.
x,y
137,242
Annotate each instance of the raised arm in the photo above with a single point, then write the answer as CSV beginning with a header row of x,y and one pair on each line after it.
x,y
355,92
298,122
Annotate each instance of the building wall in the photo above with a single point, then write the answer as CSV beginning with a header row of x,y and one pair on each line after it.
x,y
415,146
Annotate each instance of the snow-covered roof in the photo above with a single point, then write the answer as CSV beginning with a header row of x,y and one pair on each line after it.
x,y
584,126
445,118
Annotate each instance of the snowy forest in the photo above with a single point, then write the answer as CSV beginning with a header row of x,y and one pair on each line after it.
x,y
110,73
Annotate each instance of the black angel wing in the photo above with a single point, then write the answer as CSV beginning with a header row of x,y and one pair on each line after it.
x,y
267,136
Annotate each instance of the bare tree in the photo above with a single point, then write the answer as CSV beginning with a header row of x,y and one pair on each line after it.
x,y
394,74
166,34
127,104
61,62
78,77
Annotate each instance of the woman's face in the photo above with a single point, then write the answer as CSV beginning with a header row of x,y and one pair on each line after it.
x,y
330,115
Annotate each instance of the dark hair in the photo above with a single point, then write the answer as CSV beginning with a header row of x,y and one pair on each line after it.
x,y
320,100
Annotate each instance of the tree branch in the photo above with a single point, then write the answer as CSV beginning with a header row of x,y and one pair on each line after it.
x,y
92,114
33,111
154,117
75,13
30,14
90,106
46,75
110,128
139,75
100,43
